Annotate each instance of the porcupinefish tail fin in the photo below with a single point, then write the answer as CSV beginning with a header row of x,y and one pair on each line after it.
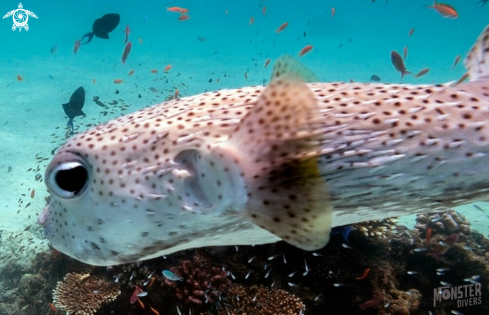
x,y
276,145
477,61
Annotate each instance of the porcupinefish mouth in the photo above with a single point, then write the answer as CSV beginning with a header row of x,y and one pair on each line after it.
x,y
259,164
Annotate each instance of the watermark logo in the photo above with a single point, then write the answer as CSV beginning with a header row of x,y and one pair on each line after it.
x,y
465,295
20,17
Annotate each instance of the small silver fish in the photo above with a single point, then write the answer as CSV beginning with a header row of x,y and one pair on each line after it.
x,y
258,164
418,250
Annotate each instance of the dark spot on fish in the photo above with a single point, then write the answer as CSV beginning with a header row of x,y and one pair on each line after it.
x,y
94,246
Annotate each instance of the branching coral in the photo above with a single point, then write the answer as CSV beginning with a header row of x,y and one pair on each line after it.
x,y
198,285
261,300
80,294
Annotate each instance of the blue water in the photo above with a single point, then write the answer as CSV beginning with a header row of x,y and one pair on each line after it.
x,y
353,45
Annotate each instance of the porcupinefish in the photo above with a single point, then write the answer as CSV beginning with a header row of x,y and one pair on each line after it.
x,y
258,164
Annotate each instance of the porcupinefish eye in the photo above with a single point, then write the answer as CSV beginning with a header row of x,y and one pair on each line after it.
x,y
67,180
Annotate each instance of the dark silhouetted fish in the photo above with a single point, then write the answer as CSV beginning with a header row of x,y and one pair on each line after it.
x,y
102,27
74,107
375,78
54,49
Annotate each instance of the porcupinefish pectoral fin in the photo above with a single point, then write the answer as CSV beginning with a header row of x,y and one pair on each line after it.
x,y
287,64
276,148
477,61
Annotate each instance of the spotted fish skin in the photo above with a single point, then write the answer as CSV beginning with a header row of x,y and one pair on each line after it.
x,y
255,165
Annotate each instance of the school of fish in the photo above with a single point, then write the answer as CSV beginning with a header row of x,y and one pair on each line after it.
x,y
258,164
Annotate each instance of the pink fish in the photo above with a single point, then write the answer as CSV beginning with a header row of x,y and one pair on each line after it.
x,y
76,46
127,31
445,10
126,52
134,296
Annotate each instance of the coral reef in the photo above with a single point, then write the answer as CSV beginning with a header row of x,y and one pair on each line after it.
x,y
82,294
377,228
261,300
446,223
378,268
200,283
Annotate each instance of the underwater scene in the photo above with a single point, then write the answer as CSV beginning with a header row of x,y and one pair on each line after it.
x,y
244,157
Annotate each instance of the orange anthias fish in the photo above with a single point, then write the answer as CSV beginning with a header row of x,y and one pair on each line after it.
x,y
117,81
134,296
266,63
131,72
183,11
332,12
398,63
51,306
174,9
76,46
154,71
411,32
428,237
20,78
264,10
305,50
422,72
126,52
365,273
282,27
167,68
127,31
456,61
252,20
183,17
404,53
370,303
444,10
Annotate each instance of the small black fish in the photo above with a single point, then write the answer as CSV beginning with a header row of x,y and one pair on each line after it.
x,y
74,107
102,27
375,78
99,103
